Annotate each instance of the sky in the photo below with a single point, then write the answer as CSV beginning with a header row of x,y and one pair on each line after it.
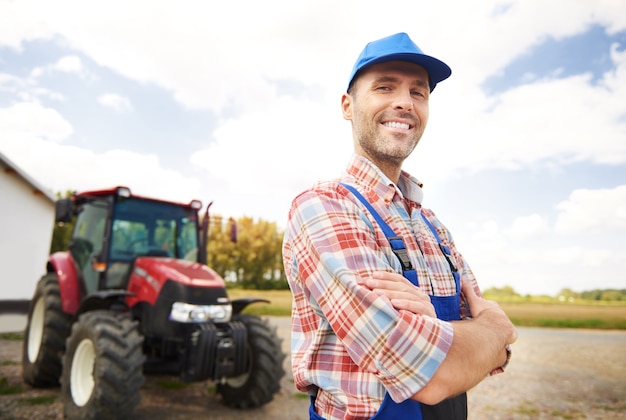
x,y
238,103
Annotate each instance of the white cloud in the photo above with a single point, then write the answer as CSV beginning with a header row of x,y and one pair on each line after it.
x,y
87,170
546,266
31,135
18,24
527,227
9,83
602,210
206,58
69,64
542,264
269,159
32,119
37,72
547,122
116,102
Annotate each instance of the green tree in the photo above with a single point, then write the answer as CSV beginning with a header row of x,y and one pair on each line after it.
x,y
254,261
221,248
568,294
506,291
258,255
613,295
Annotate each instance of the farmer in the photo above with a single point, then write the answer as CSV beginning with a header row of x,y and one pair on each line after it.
x,y
387,321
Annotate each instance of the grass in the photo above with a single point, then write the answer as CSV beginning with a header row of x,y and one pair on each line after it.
x,y
301,396
527,410
43,399
540,312
280,301
567,315
12,336
6,389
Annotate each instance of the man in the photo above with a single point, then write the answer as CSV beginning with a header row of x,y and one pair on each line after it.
x,y
366,340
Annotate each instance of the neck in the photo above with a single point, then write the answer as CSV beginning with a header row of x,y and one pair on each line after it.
x,y
392,171
390,168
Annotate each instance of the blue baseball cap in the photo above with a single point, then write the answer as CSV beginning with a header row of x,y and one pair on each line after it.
x,y
399,47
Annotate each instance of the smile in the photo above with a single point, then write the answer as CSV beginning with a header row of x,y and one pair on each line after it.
x,y
395,124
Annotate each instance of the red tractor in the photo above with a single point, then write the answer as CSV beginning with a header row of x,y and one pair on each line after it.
x,y
133,295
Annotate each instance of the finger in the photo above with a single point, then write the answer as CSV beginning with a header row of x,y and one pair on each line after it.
x,y
414,307
385,284
387,276
390,286
476,304
391,280
470,294
415,297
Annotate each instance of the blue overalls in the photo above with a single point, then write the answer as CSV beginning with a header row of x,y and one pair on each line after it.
x,y
447,308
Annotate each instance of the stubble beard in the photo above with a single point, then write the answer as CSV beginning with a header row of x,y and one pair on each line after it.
x,y
382,148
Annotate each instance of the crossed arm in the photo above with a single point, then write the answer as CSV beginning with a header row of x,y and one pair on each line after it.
x,y
479,343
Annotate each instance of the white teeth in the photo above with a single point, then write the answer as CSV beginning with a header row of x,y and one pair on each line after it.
x,y
393,124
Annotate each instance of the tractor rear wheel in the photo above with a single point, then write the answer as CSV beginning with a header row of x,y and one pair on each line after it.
x,y
44,338
102,367
265,360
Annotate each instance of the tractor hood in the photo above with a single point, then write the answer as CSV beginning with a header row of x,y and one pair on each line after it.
x,y
159,270
152,277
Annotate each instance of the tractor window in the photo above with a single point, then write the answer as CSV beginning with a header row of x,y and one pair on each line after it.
x,y
87,240
129,239
188,239
152,228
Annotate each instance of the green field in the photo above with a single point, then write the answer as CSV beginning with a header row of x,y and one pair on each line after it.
x,y
596,315
567,315
280,301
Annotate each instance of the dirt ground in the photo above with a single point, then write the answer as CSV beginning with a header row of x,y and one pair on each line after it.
x,y
554,374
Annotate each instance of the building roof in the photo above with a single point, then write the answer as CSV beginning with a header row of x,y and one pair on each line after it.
x,y
12,168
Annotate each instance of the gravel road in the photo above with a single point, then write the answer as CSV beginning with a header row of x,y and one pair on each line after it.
x,y
554,374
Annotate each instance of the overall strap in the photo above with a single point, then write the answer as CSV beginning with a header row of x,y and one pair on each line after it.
x,y
446,253
396,242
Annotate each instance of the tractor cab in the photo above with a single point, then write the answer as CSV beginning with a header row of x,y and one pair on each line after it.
x,y
113,228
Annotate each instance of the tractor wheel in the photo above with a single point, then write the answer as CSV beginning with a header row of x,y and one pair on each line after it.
x,y
102,367
265,358
44,338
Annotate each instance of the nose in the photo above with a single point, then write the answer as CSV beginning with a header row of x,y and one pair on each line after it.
x,y
403,100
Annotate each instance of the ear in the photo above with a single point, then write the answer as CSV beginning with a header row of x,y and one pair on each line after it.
x,y
346,106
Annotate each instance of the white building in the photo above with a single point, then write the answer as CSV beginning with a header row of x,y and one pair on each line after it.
x,y
26,223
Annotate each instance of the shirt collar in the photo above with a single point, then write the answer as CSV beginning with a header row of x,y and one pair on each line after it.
x,y
369,175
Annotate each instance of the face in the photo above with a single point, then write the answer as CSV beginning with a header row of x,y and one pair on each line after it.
x,y
388,107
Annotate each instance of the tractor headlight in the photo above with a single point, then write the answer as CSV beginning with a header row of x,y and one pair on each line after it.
x,y
185,312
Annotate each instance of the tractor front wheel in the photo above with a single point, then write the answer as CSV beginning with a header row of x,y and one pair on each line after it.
x,y
44,338
258,385
102,367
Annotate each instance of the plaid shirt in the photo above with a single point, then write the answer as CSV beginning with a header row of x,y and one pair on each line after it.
x,y
346,340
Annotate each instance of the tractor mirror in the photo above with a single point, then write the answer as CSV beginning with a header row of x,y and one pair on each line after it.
x,y
63,210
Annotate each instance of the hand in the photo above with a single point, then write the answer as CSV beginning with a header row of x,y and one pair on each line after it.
x,y
489,308
401,292
475,302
